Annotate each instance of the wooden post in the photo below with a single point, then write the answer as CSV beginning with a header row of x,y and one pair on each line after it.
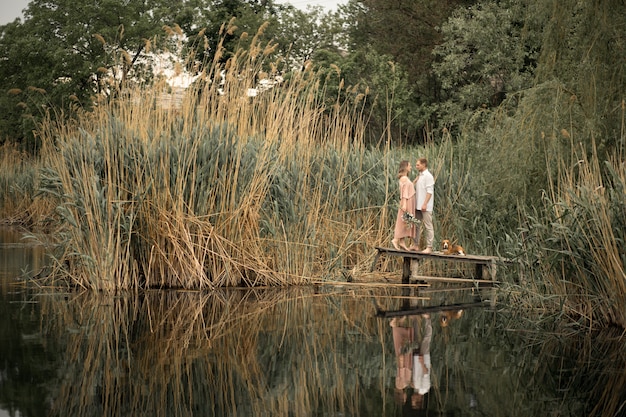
x,y
492,269
406,269
492,273
478,274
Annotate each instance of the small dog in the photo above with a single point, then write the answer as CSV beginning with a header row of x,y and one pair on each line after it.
x,y
449,316
450,249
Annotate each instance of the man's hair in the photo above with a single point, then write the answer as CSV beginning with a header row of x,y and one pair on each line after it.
x,y
423,161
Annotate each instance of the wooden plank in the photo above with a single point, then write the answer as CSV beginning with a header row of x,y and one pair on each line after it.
x,y
402,252
448,279
430,290
481,259
485,266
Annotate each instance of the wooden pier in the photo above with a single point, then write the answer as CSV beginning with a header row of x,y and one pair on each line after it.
x,y
484,271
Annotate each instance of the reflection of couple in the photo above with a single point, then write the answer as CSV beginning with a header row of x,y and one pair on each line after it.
x,y
412,357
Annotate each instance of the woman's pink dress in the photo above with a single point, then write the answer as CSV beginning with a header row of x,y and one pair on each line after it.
x,y
403,337
407,191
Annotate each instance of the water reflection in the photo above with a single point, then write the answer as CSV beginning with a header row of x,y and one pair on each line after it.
x,y
299,352
228,353
412,336
19,257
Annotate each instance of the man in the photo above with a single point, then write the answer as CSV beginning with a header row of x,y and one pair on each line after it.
x,y
422,366
424,193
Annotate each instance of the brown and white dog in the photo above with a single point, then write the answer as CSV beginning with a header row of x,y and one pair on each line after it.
x,y
449,249
448,317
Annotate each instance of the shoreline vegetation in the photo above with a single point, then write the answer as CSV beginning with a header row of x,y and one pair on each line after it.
x,y
280,190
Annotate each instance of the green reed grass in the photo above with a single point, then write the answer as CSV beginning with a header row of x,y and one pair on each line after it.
x,y
580,240
226,190
530,185
18,186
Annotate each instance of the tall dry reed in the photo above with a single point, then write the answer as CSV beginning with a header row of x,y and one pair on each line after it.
x,y
579,241
224,190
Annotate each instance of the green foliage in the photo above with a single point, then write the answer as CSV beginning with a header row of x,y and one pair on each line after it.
x,y
57,63
65,53
582,46
302,34
295,35
488,51
227,26
18,184
406,30
377,84
405,33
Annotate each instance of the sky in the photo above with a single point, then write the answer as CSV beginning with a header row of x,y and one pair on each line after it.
x,y
12,9
301,4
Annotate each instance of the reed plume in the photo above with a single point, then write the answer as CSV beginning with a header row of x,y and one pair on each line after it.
x,y
225,189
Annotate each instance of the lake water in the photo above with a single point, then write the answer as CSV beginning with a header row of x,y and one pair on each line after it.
x,y
319,351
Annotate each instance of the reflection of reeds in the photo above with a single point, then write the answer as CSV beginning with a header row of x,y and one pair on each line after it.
x,y
167,353
585,369
510,365
288,352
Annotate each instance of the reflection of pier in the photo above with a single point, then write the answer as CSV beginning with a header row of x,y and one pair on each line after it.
x,y
416,311
484,271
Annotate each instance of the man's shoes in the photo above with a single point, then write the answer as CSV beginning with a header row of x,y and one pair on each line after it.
x,y
427,250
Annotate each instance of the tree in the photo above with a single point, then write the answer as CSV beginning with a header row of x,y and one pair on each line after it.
x,y
65,51
302,34
296,34
378,85
530,51
407,31
583,49
488,50
230,25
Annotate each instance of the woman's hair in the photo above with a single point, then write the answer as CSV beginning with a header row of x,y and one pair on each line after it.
x,y
404,169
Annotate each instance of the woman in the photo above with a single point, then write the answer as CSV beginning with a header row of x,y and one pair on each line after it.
x,y
407,205
403,332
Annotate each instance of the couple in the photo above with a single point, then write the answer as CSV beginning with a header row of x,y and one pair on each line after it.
x,y
411,344
416,199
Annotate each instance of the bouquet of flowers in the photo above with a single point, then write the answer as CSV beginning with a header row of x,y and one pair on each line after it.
x,y
409,219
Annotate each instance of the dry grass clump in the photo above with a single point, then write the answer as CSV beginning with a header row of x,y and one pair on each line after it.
x,y
226,190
